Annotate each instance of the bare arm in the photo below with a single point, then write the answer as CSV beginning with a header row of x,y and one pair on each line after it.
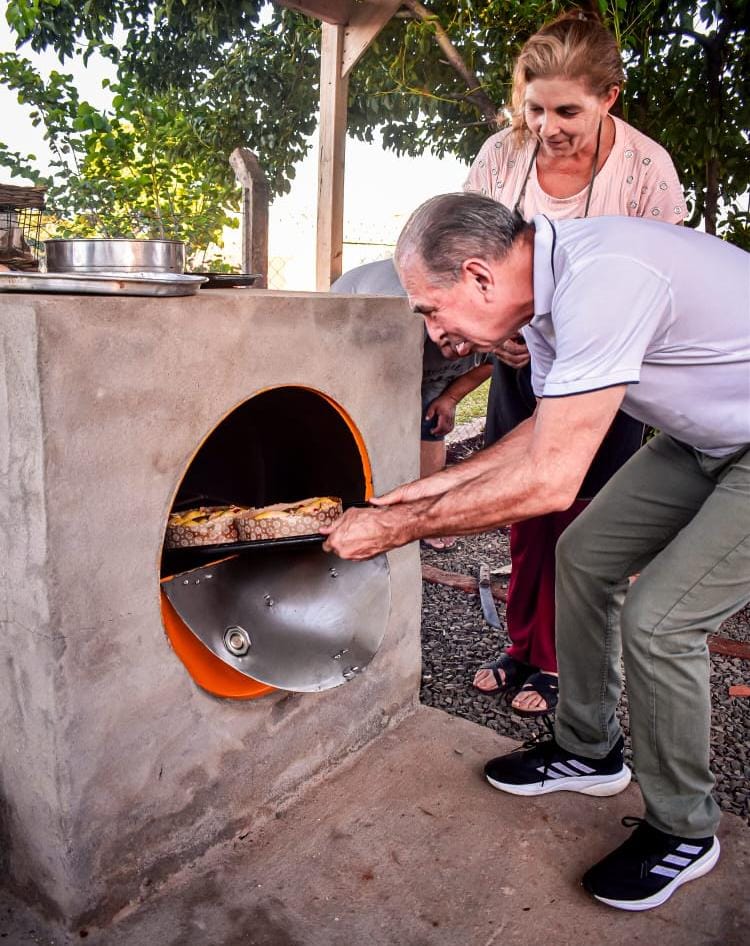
x,y
443,408
463,472
539,470
466,383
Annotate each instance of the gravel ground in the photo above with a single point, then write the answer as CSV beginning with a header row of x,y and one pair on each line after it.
x,y
455,641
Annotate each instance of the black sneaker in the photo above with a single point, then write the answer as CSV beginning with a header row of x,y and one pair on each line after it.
x,y
545,767
646,869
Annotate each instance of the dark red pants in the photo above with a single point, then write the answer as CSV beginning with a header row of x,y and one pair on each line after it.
x,y
530,607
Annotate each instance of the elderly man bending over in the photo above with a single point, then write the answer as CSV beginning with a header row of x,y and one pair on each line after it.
x,y
616,311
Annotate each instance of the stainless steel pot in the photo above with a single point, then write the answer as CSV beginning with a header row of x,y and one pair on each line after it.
x,y
115,256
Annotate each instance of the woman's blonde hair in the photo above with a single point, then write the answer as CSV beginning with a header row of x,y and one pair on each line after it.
x,y
576,45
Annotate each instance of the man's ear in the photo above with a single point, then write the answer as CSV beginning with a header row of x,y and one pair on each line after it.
x,y
477,272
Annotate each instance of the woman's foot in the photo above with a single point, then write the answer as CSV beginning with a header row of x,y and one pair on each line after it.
x,y
500,675
440,543
538,696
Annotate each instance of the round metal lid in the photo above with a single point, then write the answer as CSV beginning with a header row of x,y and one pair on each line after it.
x,y
296,618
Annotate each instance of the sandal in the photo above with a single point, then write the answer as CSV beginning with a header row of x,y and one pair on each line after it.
x,y
546,685
516,671
445,546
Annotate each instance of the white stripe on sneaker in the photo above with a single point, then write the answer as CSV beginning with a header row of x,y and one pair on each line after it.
x,y
549,773
560,769
563,768
677,861
664,871
689,849
581,767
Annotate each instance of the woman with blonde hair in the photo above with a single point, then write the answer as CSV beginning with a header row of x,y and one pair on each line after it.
x,y
564,155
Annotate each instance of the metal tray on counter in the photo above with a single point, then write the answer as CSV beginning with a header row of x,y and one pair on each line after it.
x,y
107,284
228,280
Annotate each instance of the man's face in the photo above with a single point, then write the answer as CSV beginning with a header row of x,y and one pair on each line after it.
x,y
461,316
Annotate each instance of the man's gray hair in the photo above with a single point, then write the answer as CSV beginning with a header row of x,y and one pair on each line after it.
x,y
448,229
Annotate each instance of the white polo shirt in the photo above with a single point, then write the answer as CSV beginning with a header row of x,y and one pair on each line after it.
x,y
662,309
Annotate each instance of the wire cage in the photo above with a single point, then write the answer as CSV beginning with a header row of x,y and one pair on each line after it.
x,y
21,211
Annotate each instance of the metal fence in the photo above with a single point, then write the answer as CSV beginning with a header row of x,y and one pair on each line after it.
x,y
291,272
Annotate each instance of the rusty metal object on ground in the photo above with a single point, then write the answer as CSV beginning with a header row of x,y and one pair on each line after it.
x,y
459,581
489,610
728,648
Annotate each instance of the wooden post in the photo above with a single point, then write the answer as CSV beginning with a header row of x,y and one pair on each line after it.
x,y
332,147
366,21
348,28
252,180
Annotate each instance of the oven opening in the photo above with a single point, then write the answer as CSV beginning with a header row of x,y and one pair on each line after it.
x,y
283,445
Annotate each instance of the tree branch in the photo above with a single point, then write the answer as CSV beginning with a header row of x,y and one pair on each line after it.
x,y
702,40
697,214
475,94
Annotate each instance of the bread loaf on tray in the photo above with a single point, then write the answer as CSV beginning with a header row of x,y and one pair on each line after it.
x,y
204,525
304,517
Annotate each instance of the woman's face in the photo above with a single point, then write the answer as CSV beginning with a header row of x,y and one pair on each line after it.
x,y
564,115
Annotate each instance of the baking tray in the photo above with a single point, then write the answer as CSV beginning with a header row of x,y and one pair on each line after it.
x,y
107,284
228,280
178,559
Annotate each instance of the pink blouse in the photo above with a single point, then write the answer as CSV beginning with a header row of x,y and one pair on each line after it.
x,y
638,179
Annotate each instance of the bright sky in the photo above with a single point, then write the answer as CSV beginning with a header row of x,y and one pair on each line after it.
x,y
381,189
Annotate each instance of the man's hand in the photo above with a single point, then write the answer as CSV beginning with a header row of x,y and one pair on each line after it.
x,y
514,352
444,409
364,533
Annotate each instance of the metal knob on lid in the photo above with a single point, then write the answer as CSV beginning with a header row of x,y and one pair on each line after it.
x,y
237,640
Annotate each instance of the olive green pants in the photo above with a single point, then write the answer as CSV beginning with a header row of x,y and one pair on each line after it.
x,y
681,521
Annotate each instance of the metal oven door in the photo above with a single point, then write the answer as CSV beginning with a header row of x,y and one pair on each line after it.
x,y
294,617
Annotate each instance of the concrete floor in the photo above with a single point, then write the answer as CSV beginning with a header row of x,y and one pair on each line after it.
x,y
406,845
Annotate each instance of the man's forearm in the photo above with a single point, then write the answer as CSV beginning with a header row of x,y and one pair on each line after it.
x,y
520,484
515,488
513,446
532,471
537,468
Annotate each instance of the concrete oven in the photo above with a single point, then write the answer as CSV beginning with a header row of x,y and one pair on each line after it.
x,y
128,748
